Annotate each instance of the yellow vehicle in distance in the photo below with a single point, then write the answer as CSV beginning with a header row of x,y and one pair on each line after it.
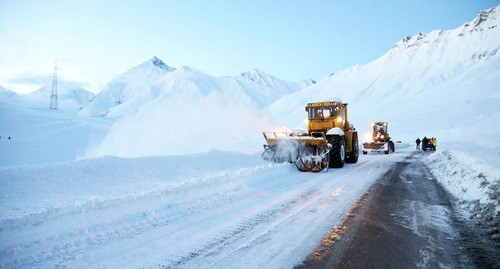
x,y
380,139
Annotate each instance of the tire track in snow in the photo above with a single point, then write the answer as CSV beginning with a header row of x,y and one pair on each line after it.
x,y
308,208
128,225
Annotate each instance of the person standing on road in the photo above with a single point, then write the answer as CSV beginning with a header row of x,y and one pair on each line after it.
x,y
425,141
435,143
418,143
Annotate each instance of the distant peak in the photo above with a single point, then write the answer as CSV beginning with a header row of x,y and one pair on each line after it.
x,y
485,15
155,62
485,20
254,73
159,63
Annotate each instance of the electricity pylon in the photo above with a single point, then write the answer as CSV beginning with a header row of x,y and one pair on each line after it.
x,y
53,94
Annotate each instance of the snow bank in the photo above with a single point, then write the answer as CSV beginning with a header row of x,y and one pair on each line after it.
x,y
474,180
49,188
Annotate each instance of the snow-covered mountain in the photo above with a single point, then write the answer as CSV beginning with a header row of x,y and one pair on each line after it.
x,y
6,93
444,83
126,87
152,79
265,89
71,96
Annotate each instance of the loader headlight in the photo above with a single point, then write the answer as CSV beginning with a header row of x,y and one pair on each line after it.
x,y
382,136
339,119
368,138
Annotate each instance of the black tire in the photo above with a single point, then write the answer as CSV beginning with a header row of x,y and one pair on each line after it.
x,y
337,152
352,157
393,148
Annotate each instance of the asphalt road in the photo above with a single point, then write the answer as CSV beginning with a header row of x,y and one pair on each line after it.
x,y
405,220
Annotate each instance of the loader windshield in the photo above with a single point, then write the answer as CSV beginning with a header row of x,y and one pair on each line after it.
x,y
379,128
321,112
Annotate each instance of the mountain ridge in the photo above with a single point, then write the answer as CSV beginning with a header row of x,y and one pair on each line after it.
x,y
424,68
153,79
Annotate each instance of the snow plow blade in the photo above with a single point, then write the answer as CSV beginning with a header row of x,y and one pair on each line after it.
x,y
310,153
375,145
273,138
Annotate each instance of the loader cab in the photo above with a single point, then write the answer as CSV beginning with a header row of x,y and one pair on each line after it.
x,y
380,132
323,116
321,113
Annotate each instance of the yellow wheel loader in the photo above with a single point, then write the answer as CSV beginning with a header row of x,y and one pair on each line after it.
x,y
380,139
330,140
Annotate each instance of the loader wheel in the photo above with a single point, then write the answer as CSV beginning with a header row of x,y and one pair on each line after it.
x,y
352,157
337,153
391,146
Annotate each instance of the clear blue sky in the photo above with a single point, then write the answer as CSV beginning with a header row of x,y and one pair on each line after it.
x,y
96,40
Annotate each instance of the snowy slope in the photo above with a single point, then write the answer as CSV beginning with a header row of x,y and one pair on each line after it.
x,y
41,135
265,89
126,86
6,93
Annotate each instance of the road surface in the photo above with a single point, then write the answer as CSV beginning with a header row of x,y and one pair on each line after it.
x,y
405,220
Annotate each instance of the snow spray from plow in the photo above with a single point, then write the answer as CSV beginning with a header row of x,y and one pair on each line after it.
x,y
310,154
